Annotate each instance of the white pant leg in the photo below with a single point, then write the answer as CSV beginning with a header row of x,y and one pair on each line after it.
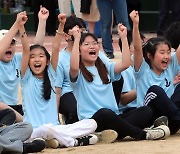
x,y
65,134
76,6
48,132
78,129
65,6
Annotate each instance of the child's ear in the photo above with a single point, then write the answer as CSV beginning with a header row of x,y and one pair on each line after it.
x,y
48,61
149,55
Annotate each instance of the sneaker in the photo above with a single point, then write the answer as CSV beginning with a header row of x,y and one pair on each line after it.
x,y
160,132
53,143
107,136
86,140
36,145
110,55
163,120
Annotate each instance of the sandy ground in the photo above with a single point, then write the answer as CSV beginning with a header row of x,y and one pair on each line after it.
x,y
169,146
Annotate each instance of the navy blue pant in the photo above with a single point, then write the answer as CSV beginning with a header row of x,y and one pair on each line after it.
x,y
130,124
18,108
68,103
7,117
68,107
162,105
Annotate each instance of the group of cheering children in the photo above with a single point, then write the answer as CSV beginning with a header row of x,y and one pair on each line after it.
x,y
82,84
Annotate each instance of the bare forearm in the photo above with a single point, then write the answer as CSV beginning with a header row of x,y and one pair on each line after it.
x,y
56,45
41,31
125,53
128,97
7,39
74,61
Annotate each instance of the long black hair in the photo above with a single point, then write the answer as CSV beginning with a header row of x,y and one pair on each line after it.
x,y
46,83
102,70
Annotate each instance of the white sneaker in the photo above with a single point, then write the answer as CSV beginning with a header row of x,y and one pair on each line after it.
x,y
107,136
86,140
160,132
52,143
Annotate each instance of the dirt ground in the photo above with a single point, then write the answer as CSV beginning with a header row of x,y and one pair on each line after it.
x,y
169,146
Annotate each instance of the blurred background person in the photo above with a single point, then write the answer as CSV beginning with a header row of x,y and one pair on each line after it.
x,y
65,6
164,7
119,9
90,13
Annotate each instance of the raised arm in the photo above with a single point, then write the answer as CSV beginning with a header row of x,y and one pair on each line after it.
x,y
7,39
25,44
125,62
138,54
57,40
41,31
74,60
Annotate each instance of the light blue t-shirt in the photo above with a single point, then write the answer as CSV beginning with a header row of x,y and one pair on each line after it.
x,y
62,70
37,110
62,80
9,80
128,85
146,77
92,96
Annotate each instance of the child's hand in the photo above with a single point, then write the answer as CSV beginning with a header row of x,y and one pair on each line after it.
x,y
62,18
21,18
43,13
122,30
134,15
177,79
76,32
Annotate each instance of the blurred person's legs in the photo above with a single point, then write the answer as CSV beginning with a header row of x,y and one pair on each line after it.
x,y
175,10
76,5
163,17
105,10
120,12
65,6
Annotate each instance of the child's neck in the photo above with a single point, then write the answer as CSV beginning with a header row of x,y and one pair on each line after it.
x,y
69,47
39,76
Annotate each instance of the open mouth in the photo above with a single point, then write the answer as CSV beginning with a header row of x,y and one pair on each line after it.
x,y
165,61
8,53
37,66
92,53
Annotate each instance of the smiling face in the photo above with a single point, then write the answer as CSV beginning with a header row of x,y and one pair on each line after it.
x,y
161,58
9,54
38,61
89,50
